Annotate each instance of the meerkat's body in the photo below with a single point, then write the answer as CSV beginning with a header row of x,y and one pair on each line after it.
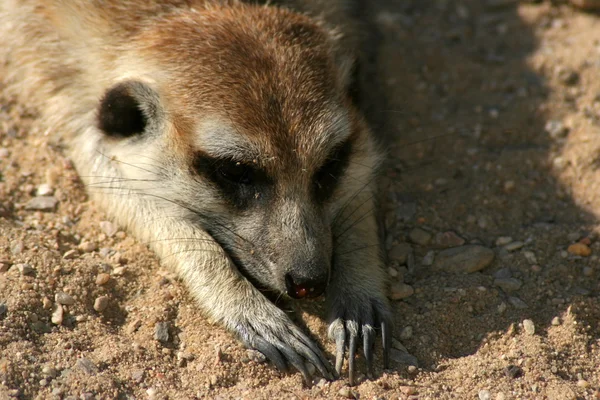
x,y
222,134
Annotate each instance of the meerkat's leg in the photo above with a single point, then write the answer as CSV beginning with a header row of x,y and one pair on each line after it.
x,y
357,302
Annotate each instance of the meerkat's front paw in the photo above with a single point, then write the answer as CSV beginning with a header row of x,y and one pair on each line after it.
x,y
356,315
272,333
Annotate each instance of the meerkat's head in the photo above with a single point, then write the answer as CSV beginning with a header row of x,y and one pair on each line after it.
x,y
246,114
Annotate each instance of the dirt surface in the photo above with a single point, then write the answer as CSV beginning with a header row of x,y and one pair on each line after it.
x,y
495,137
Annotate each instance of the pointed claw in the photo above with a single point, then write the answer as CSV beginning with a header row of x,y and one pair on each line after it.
x,y
271,353
297,362
323,363
340,345
387,343
351,360
368,344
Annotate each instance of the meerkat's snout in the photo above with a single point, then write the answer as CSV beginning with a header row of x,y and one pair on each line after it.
x,y
299,286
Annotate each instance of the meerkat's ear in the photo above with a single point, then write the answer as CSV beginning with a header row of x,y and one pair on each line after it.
x,y
126,109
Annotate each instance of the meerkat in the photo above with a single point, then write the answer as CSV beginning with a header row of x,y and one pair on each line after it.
x,y
222,133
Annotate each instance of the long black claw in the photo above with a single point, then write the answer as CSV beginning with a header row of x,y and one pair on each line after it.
x,y
368,342
318,363
351,359
387,343
340,347
297,362
317,358
271,353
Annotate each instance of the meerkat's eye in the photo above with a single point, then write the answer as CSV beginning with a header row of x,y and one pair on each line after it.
x,y
236,172
326,178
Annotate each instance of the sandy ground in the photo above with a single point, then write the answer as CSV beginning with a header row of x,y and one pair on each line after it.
x,y
494,120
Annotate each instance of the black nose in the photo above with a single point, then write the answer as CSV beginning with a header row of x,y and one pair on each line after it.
x,y
301,287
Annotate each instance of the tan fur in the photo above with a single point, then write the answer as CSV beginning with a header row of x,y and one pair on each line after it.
x,y
257,83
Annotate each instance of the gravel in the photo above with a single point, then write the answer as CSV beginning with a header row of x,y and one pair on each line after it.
x,y
420,236
463,259
64,299
400,252
42,203
161,332
403,358
25,269
529,326
508,284
101,303
400,291
87,366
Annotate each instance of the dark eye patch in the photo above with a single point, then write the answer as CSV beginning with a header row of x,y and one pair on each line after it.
x,y
327,177
239,182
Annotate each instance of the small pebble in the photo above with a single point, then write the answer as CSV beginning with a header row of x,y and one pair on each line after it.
x,y
87,366
396,344
393,272
400,252
513,372
4,266
102,279
579,249
119,271
70,254
403,358
25,269
44,190
3,310
516,245
556,129
4,152
582,383
137,375
161,331
58,315
400,291
256,356
484,395
530,257
503,273
529,326
64,299
503,241
50,371
87,247
46,303
347,393
133,326
408,390
517,303
464,259
428,259
406,333
555,321
502,308
419,236
108,228
101,303
508,284
42,203
448,239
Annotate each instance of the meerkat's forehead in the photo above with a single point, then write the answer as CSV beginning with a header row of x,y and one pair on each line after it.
x,y
222,138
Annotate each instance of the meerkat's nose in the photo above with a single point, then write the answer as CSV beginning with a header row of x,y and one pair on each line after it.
x,y
304,287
